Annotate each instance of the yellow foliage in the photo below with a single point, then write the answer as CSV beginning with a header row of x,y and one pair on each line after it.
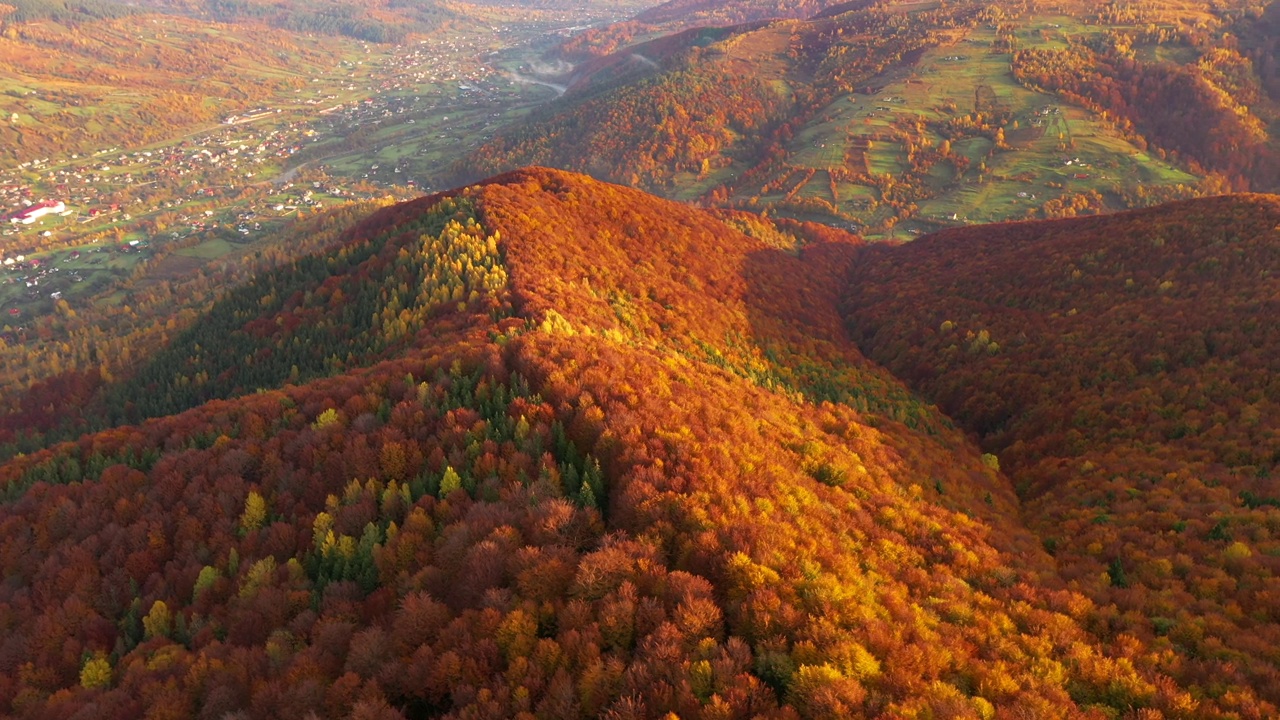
x,y
326,419
518,634
813,677
259,574
208,576
701,679
346,547
556,324
1236,552
158,622
321,528
255,512
96,673
858,662
450,482
460,265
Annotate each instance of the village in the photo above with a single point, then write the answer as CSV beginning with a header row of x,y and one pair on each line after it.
x,y
386,121
92,217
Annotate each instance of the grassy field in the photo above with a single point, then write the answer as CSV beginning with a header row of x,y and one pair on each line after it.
x,y
1052,149
94,271
208,250
425,141
688,187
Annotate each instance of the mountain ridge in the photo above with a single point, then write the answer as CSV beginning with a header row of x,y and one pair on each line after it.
x,y
633,492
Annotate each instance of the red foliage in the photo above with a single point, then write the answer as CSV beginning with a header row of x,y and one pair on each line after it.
x,y
667,482
1124,370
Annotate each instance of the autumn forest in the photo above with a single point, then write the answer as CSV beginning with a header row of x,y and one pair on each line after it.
x,y
878,359
500,454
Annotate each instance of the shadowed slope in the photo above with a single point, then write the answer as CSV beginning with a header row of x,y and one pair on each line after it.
x,y
1124,369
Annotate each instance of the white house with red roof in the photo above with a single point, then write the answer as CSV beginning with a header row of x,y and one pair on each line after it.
x,y
35,212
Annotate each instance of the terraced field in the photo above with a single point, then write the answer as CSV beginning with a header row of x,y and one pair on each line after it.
x,y
1051,149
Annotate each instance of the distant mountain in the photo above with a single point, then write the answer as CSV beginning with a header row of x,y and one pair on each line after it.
x,y
1124,371
68,67
720,12
903,118
680,15
389,23
550,447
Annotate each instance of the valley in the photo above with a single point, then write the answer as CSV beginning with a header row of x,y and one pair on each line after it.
x,y
335,121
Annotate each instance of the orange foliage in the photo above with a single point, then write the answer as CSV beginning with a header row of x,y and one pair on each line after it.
x,y
1124,369
652,475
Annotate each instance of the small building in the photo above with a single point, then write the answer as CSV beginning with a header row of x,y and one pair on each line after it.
x,y
37,211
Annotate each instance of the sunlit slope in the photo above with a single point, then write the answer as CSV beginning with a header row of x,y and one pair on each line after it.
x,y
901,118
606,455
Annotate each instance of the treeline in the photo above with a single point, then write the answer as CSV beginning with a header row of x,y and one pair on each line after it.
x,y
331,18
315,317
710,22
808,64
677,15
65,11
708,12
723,96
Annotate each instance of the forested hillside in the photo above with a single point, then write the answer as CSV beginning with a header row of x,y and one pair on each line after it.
x,y
275,446
645,133
22,11
389,23
1124,370
55,369
702,12
82,85
899,118
582,453
680,15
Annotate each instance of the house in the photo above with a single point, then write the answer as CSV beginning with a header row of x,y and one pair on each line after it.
x,y
37,211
